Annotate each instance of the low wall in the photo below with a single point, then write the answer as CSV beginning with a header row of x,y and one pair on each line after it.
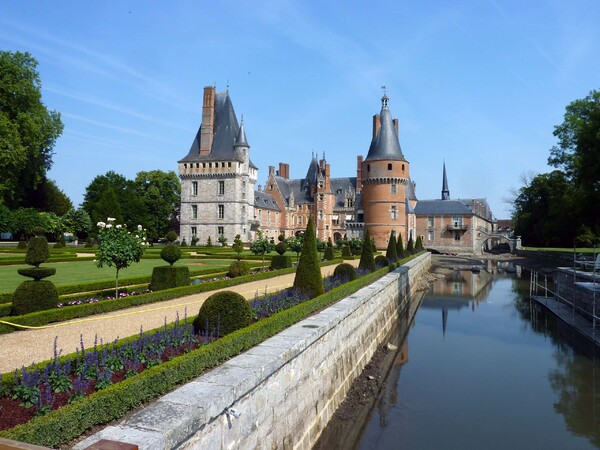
x,y
283,391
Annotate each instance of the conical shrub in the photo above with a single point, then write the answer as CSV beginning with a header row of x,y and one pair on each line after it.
x,y
308,274
399,246
367,261
391,253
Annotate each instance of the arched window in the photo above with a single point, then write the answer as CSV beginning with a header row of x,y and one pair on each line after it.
x,y
368,167
402,167
389,166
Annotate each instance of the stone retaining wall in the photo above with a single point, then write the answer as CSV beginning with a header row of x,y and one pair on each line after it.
x,y
281,393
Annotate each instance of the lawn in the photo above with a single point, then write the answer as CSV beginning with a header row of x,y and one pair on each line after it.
x,y
84,271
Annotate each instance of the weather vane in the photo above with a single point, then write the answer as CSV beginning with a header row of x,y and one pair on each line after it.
x,y
384,89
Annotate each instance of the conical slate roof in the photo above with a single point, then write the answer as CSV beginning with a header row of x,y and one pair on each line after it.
x,y
445,190
241,140
385,146
312,174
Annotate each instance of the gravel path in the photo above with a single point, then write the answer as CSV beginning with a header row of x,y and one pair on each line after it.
x,y
24,347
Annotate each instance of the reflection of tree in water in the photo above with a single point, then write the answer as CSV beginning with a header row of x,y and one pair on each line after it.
x,y
579,397
576,381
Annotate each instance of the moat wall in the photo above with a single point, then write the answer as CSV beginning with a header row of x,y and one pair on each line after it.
x,y
285,390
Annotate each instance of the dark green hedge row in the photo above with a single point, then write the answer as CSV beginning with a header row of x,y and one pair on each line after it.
x,y
69,422
41,318
5,309
53,259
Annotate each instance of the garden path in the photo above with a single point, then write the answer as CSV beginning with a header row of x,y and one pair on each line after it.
x,y
35,345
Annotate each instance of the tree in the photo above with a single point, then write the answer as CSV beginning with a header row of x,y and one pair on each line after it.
x,y
295,244
399,246
77,221
7,220
308,273
25,220
238,246
160,194
119,248
390,252
48,197
367,261
28,130
261,246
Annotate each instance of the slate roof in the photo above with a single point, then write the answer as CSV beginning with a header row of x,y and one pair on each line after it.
x,y
441,207
225,133
264,200
301,189
410,190
385,146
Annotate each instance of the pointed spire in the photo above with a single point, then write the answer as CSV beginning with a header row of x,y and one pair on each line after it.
x,y
241,140
445,190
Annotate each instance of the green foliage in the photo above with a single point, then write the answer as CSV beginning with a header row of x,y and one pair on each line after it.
x,y
345,272
37,251
167,277
77,221
381,261
346,252
281,261
391,252
399,246
222,240
195,240
28,130
261,246
281,248
308,273
37,273
238,269
223,312
295,244
209,242
48,197
7,220
356,246
171,237
410,247
32,296
367,262
170,253
183,243
38,231
329,254
22,243
89,242
419,244
119,248
238,246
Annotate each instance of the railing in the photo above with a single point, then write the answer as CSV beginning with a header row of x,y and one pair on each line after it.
x,y
457,226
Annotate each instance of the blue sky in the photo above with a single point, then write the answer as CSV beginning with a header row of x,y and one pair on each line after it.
x,y
479,84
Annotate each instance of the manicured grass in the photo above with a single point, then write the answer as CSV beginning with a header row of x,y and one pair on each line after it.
x,y
84,271
563,250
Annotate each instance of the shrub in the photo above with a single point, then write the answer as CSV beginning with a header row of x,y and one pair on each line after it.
x,y
281,261
31,296
238,246
238,269
171,237
37,273
37,251
308,274
381,261
329,255
209,242
366,258
183,243
167,277
170,254
22,243
399,246
410,247
223,313
89,242
391,253
195,240
345,272
281,248
38,231
346,251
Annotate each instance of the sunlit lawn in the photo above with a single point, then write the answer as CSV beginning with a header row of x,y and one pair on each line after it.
x,y
563,250
85,271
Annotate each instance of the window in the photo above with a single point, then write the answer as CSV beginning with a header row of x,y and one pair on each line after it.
x,y
389,166
430,235
194,231
430,221
457,222
321,197
394,213
221,190
229,165
194,188
220,231
268,217
368,167
221,211
299,220
320,184
402,167
349,203
194,211
320,214
244,189
457,235
394,188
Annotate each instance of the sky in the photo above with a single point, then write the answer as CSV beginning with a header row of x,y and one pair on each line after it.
x,y
477,84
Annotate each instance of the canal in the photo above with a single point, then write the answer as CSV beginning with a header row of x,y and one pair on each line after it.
x,y
481,367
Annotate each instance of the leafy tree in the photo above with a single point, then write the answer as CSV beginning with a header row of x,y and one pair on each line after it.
x,y
28,130
367,261
7,220
295,244
160,194
238,246
308,273
261,246
25,220
48,197
77,221
119,248
390,253
222,240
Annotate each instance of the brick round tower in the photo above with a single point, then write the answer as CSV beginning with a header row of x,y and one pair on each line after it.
x,y
385,175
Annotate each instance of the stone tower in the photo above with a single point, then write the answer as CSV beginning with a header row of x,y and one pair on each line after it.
x,y
217,176
384,178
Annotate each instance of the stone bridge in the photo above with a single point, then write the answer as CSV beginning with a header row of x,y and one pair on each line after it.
x,y
484,236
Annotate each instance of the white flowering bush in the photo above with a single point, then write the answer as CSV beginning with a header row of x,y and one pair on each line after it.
x,y
118,247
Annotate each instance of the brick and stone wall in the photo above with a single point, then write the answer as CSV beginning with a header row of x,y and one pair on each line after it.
x,y
283,391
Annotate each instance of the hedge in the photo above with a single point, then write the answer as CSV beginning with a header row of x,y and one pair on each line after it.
x,y
63,425
42,318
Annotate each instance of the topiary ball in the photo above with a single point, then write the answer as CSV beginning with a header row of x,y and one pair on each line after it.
x,y
31,296
37,251
223,313
171,237
38,231
381,261
170,253
345,272
238,269
281,248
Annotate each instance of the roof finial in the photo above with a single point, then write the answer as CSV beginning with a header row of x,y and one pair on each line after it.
x,y
384,99
227,85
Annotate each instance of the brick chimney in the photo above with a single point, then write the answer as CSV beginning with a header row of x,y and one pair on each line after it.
x,y
208,120
359,160
271,171
284,170
376,125
396,125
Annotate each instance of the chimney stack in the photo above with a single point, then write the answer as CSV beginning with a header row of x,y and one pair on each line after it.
x,y
284,170
359,160
208,120
376,125
396,125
